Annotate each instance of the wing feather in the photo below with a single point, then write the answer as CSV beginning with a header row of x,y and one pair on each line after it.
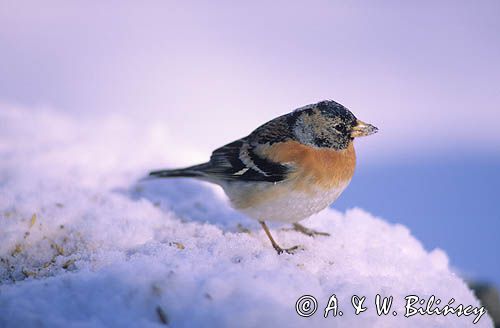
x,y
239,161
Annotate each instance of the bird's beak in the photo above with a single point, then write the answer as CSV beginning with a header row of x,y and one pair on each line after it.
x,y
362,129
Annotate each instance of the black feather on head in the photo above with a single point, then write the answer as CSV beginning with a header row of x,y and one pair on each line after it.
x,y
326,124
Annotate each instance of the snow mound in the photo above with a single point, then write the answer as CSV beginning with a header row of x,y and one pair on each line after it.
x,y
82,243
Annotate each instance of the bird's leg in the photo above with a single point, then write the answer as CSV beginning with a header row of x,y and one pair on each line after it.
x,y
306,231
277,247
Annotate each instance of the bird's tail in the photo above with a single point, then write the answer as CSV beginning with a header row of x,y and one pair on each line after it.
x,y
196,171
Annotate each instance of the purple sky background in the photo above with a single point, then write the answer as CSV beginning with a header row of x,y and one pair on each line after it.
x,y
426,73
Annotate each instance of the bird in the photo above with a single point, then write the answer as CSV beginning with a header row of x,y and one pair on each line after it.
x,y
287,169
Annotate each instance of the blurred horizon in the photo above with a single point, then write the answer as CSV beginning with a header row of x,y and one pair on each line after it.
x,y
426,73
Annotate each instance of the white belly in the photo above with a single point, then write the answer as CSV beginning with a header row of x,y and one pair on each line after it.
x,y
285,205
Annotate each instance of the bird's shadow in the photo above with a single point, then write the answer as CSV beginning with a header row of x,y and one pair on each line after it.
x,y
189,200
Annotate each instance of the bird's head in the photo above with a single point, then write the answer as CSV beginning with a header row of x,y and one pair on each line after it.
x,y
328,124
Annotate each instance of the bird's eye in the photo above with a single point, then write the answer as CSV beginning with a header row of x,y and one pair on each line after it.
x,y
340,128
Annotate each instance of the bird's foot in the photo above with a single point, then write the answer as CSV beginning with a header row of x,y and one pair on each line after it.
x,y
291,250
309,232
277,247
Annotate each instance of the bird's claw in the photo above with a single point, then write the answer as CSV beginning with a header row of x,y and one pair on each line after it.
x,y
308,232
291,250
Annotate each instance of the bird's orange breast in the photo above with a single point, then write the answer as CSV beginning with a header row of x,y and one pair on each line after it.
x,y
315,167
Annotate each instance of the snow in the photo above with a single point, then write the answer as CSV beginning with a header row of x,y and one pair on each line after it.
x,y
83,242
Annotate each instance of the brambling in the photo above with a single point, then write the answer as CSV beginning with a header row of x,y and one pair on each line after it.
x,y
287,169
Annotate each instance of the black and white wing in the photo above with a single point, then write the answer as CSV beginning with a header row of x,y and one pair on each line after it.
x,y
240,161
